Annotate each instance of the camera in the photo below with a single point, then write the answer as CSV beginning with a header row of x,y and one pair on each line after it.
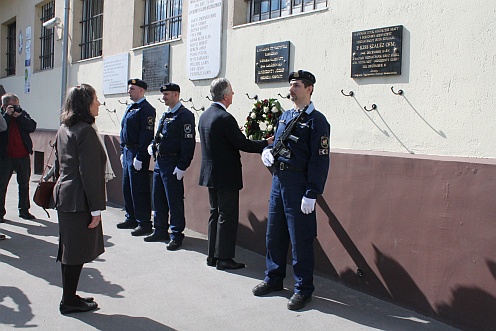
x,y
17,108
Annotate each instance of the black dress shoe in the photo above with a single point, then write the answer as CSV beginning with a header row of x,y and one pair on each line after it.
x,y
127,224
77,307
211,261
2,236
264,288
173,245
298,301
26,215
2,219
229,264
156,237
141,231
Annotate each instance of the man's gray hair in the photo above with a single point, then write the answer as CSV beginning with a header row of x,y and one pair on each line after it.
x,y
6,98
219,88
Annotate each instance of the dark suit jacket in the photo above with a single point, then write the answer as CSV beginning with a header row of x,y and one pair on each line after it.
x,y
221,141
81,165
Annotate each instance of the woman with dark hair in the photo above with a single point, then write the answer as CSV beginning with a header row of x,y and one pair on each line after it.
x,y
79,193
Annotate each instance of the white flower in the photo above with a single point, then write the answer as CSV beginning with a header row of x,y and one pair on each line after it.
x,y
253,115
269,127
274,109
266,109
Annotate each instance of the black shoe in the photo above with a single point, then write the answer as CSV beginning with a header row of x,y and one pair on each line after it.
x,y
26,215
173,245
127,224
87,300
77,307
229,264
264,288
141,231
2,219
2,236
298,301
156,237
211,261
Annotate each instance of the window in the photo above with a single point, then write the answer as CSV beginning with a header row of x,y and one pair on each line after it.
x,y
162,20
91,29
265,9
11,49
47,36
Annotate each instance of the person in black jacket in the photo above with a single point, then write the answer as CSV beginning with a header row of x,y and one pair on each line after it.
x,y
16,147
221,141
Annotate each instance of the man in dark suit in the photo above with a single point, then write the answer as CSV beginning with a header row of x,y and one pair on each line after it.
x,y
221,141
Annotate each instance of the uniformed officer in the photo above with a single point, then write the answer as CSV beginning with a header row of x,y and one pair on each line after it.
x,y
137,130
173,147
301,163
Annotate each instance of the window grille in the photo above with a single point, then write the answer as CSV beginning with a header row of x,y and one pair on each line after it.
x,y
266,9
91,29
11,49
163,20
47,36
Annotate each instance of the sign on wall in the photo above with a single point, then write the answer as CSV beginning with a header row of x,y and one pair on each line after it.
x,y
272,63
204,38
115,73
376,52
156,66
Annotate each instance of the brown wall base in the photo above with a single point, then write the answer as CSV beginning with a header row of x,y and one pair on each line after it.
x,y
417,231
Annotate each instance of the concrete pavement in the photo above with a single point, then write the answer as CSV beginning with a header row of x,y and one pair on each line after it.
x,y
142,286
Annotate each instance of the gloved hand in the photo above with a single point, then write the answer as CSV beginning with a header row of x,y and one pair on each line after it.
x,y
122,160
179,173
137,164
150,149
267,157
307,205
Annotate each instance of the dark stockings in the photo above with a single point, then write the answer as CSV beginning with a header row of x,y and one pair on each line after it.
x,y
70,280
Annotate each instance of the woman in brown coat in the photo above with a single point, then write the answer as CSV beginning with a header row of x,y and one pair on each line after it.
x,y
79,193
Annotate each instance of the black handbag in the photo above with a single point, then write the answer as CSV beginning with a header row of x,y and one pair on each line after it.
x,y
43,195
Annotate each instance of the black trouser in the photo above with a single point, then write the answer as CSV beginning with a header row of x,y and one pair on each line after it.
x,y
70,280
22,167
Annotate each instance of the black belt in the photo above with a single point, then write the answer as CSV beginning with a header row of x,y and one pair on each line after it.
x,y
164,154
131,146
284,166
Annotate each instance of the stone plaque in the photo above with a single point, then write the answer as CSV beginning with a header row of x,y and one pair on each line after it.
x,y
156,66
376,52
272,63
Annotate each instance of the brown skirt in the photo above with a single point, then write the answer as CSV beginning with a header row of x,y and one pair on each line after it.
x,y
77,243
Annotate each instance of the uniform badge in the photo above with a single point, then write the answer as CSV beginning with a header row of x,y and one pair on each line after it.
x,y
324,142
323,151
187,128
296,74
150,120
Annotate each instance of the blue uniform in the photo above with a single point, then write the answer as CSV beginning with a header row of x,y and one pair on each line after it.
x,y
137,128
302,172
175,146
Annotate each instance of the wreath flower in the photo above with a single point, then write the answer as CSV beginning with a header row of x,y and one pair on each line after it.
x,y
262,119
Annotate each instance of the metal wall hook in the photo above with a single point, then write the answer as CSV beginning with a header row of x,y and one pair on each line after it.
x,y
254,98
105,105
122,103
400,92
287,96
350,94
208,98
189,100
198,109
374,106
160,100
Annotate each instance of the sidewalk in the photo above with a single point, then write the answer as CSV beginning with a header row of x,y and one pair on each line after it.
x,y
142,286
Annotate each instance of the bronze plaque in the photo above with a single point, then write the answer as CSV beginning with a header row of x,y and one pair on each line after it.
x,y
376,52
156,66
272,63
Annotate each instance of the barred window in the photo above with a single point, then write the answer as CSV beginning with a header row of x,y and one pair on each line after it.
x,y
91,29
47,36
266,9
11,49
162,20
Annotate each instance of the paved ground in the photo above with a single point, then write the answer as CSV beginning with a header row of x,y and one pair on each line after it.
x,y
142,286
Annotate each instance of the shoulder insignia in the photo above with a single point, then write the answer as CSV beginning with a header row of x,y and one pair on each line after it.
x,y
187,128
324,142
150,120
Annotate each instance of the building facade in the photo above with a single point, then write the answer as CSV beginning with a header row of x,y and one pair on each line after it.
x,y
408,210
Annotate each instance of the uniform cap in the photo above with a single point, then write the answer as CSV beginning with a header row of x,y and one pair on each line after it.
x,y
138,82
170,87
302,75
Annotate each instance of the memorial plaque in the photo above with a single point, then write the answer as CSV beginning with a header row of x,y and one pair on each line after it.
x,y
156,66
272,63
376,52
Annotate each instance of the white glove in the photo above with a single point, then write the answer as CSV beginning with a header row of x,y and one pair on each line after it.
x,y
137,164
150,149
307,205
122,160
267,157
179,173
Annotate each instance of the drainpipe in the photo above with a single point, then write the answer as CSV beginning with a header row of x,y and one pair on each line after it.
x,y
65,53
